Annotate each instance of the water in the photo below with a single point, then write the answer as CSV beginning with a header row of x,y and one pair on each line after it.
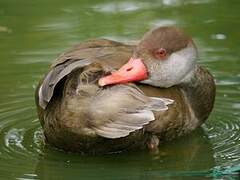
x,y
33,33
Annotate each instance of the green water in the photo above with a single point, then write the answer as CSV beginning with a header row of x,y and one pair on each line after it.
x,y
33,33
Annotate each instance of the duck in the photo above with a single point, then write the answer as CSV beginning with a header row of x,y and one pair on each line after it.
x,y
103,96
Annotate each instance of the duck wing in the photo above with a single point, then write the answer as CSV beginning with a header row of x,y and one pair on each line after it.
x,y
121,109
98,50
57,73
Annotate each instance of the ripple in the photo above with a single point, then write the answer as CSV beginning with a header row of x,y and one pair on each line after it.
x,y
184,2
227,82
116,7
55,26
5,29
223,130
131,6
163,22
236,105
21,133
14,137
224,134
219,36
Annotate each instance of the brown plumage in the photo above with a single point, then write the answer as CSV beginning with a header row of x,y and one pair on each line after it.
x,y
163,38
78,115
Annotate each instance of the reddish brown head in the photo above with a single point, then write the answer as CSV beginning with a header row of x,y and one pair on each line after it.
x,y
162,41
166,56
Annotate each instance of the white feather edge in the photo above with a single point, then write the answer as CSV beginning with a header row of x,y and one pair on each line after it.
x,y
112,130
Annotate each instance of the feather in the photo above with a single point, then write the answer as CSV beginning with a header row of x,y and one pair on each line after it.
x,y
54,76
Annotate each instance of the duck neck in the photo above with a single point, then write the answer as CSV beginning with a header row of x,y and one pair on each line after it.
x,y
199,91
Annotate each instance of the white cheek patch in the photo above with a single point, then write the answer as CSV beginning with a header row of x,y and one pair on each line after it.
x,y
174,69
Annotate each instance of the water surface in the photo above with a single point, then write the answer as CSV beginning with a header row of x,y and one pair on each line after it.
x,y
33,33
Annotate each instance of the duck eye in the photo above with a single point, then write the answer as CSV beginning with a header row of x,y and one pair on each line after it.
x,y
160,53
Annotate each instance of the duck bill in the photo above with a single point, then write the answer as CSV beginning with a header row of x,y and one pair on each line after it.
x,y
133,70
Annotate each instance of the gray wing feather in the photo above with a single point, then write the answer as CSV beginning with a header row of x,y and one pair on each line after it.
x,y
54,76
158,104
128,118
119,128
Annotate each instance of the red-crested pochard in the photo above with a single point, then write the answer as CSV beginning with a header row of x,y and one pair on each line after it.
x,y
103,96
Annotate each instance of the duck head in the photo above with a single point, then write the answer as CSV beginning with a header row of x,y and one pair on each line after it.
x,y
164,57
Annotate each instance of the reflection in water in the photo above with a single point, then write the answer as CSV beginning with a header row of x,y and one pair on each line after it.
x,y
30,39
176,158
